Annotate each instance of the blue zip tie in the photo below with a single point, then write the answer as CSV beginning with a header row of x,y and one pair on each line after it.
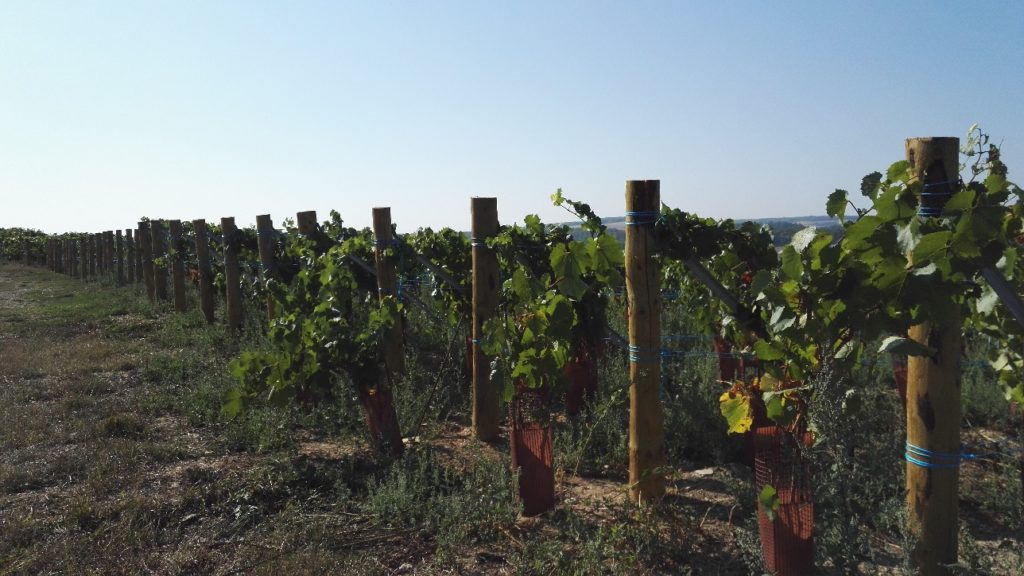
x,y
931,459
636,356
475,243
943,183
474,340
642,217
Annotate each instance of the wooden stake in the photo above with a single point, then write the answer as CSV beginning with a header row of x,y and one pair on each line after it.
x,y
308,227
933,391
232,274
486,396
205,272
129,242
97,240
74,257
643,294
139,276
97,254
159,253
177,267
119,257
387,284
265,240
146,252
108,240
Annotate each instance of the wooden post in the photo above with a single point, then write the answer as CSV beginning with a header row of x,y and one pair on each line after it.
x,y
177,267
97,242
105,253
232,274
146,253
306,222
83,258
205,273
139,273
387,285
119,256
86,254
933,390
108,243
73,247
646,420
486,396
265,240
159,252
97,255
129,242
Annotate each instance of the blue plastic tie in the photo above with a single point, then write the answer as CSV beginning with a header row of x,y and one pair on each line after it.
x,y
642,217
930,459
636,355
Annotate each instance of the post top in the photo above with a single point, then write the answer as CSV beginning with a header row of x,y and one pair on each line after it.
x,y
935,139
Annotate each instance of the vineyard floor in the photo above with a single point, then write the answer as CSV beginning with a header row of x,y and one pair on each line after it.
x,y
115,459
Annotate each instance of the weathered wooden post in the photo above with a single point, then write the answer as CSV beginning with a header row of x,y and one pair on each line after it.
x,y
97,240
646,420
232,274
387,285
106,253
933,389
49,254
95,263
486,397
146,253
139,273
73,247
83,257
265,240
205,272
159,253
119,256
177,267
306,223
86,255
108,240
129,242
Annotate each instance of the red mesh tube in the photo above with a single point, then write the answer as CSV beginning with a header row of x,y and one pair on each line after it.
x,y
382,422
788,540
582,374
532,454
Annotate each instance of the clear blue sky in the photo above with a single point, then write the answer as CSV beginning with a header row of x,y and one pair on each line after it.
x,y
110,111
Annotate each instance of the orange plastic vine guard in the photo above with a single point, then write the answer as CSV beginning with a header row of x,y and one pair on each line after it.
x,y
582,374
787,540
532,454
